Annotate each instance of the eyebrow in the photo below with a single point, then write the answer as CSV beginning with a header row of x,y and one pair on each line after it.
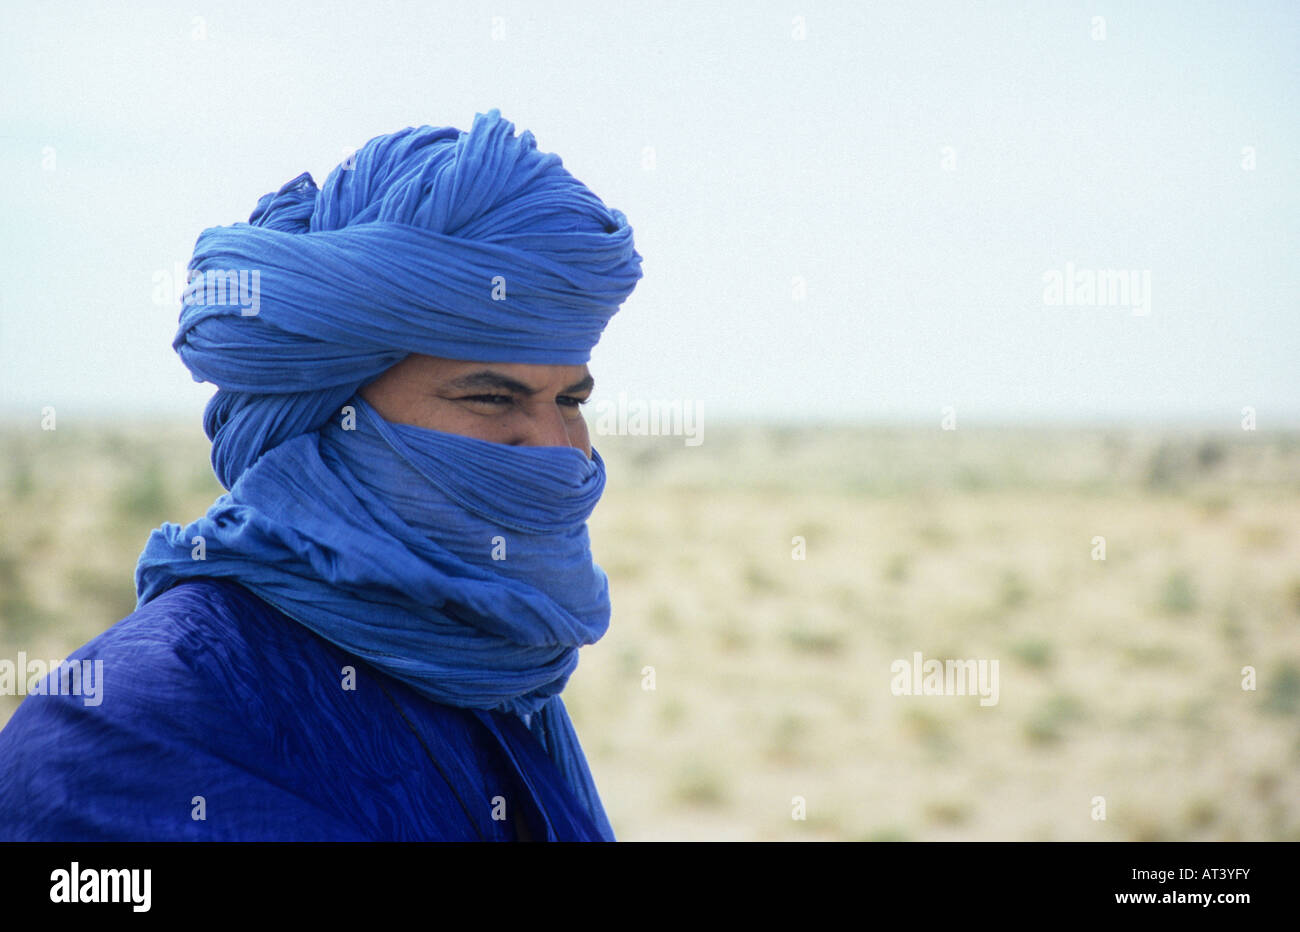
x,y
487,378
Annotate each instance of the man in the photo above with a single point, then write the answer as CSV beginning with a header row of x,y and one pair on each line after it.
x,y
367,636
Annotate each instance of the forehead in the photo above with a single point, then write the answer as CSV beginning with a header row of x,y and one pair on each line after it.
x,y
533,375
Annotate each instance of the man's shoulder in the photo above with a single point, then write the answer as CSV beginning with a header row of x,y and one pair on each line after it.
x,y
141,727
210,699
196,622
204,650
210,663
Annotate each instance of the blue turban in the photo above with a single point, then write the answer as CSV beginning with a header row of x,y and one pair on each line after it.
x,y
381,537
469,246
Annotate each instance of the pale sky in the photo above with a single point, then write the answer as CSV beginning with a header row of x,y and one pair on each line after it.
x,y
918,167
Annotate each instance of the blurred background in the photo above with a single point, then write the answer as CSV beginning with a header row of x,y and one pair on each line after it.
x,y
868,235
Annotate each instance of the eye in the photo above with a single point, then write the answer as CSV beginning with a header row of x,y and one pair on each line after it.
x,y
489,399
571,401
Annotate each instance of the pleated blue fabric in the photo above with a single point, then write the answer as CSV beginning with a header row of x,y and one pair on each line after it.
x,y
457,566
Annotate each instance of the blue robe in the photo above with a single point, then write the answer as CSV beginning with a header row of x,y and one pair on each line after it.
x,y
209,692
